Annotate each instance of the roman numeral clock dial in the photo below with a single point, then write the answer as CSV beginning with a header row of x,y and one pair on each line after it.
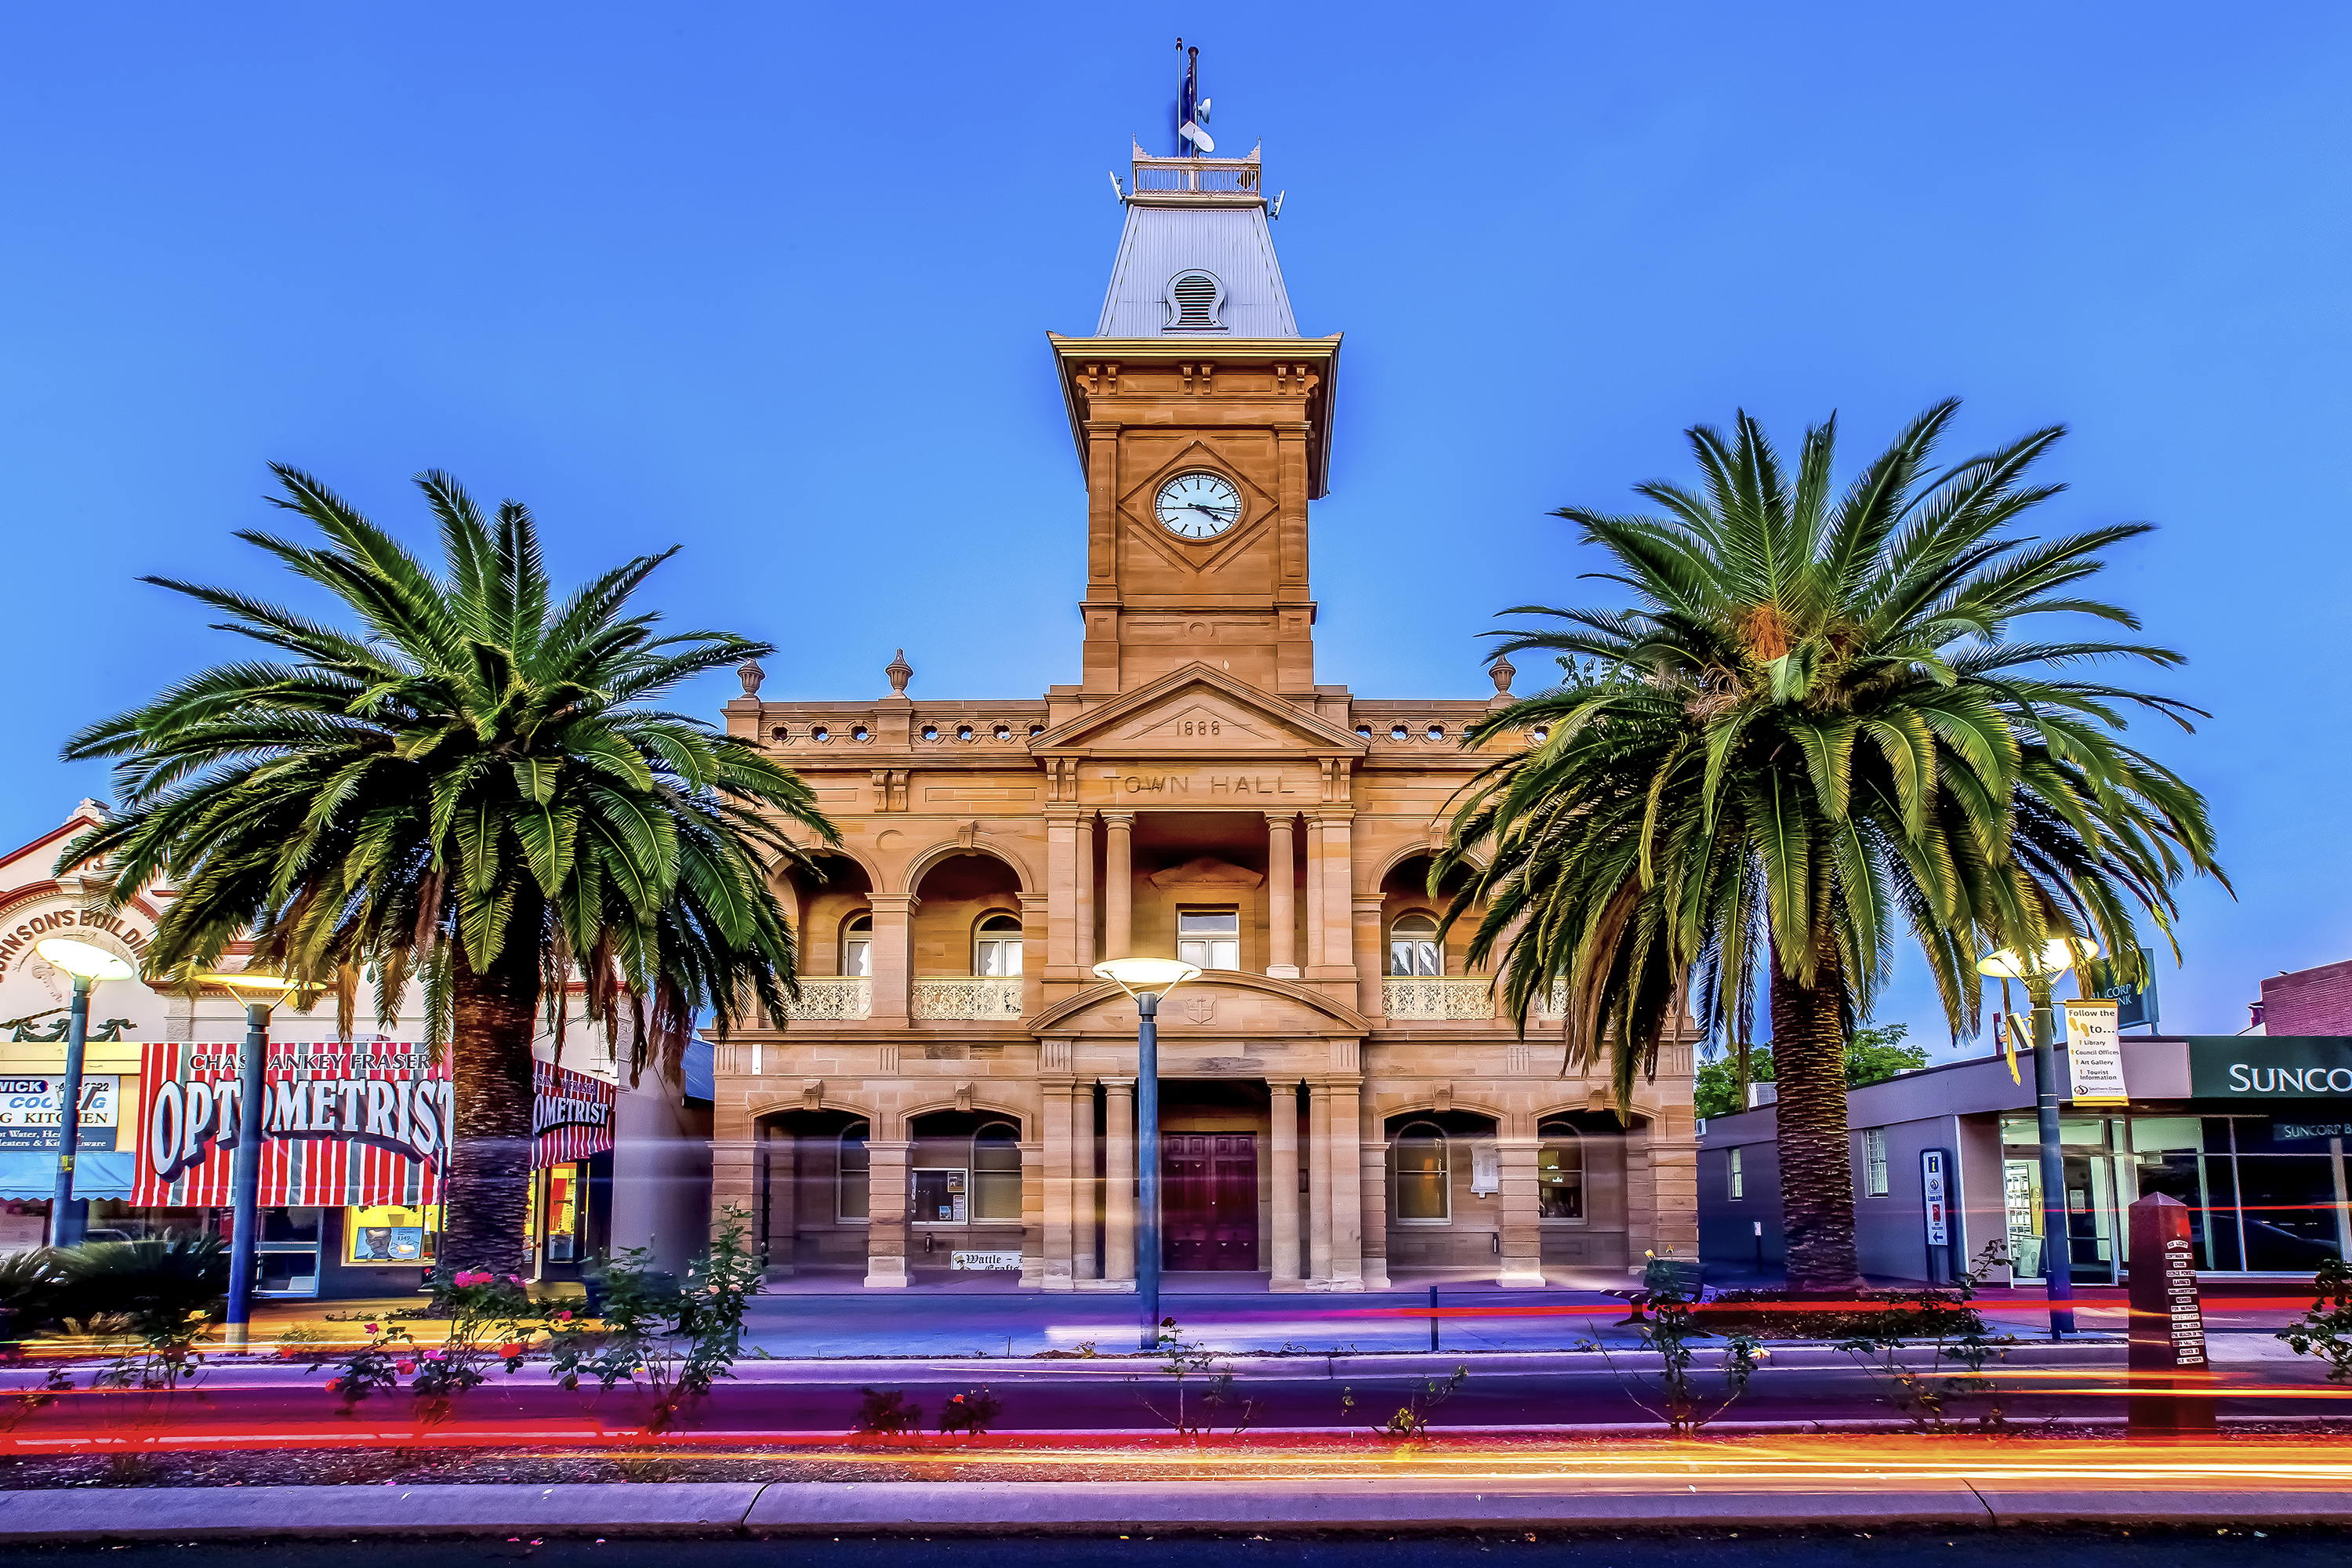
x,y
1198,506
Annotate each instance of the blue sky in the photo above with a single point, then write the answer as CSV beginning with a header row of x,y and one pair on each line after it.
x,y
772,282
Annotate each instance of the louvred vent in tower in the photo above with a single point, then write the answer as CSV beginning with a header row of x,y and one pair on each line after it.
x,y
1193,297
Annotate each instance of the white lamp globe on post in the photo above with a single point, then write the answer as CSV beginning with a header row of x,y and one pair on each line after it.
x,y
2039,970
259,992
88,963
1148,980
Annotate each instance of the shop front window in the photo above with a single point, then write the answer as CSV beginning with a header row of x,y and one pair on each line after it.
x,y
996,1173
391,1236
563,1212
940,1196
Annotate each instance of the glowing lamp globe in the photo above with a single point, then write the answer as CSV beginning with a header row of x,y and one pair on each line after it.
x,y
2056,957
84,960
1154,974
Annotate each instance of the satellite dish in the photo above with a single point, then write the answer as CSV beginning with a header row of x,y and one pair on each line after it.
x,y
1276,210
1195,135
1116,189
1202,113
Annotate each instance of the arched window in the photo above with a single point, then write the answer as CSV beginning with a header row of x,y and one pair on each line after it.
x,y
1412,945
857,945
996,945
996,1173
1560,1173
1424,1184
854,1186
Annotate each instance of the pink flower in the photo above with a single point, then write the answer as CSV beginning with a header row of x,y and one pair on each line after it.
x,y
435,1355
405,1366
516,1277
563,1317
375,1328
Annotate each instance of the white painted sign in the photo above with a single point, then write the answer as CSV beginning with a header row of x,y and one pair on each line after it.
x,y
1486,1169
2094,1054
984,1260
1933,1197
29,1113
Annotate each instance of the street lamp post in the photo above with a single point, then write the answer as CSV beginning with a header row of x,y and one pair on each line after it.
x,y
1146,979
88,963
259,992
2041,971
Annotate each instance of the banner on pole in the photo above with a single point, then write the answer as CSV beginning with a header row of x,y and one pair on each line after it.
x,y
571,1115
2094,1054
344,1123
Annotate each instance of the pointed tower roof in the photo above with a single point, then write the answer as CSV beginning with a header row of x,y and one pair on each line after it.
x,y
1196,259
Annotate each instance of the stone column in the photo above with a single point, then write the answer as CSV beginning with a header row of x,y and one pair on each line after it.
x,y
1037,1230
1119,885
1283,1262
1086,1193
1046,1254
734,1159
1036,920
893,955
1281,919
1083,854
1118,1180
1373,1207
1336,908
1318,1185
886,1227
1368,951
1521,1265
1314,893
784,1201
1061,880
1347,1166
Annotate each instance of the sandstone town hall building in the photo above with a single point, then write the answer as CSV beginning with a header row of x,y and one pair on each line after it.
x,y
1342,1107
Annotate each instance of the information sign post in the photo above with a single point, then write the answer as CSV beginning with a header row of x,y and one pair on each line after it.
x,y
2170,1378
1934,1202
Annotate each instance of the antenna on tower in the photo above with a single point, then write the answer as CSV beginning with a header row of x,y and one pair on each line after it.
x,y
1276,210
1116,189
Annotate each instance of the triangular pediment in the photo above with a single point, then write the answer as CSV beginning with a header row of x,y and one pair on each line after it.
x,y
1198,710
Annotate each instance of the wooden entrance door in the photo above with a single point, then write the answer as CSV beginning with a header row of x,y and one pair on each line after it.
x,y
1209,1200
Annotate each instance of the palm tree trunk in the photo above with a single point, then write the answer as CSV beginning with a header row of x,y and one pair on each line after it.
x,y
1816,1167
495,1014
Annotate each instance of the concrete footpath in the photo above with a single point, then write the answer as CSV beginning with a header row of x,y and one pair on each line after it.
x,y
1369,1505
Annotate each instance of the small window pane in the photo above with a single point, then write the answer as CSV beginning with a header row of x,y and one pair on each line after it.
x,y
857,1179
1873,1148
1208,922
1420,1178
1210,954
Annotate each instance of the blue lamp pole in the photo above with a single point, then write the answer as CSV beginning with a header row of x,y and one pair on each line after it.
x,y
88,963
259,992
1146,979
2041,971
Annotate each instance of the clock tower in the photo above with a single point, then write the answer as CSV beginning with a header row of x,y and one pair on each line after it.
x,y
1203,419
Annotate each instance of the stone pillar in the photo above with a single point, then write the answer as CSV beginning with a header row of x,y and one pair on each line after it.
x,y
1336,908
1314,893
1086,1193
893,954
1083,853
1036,920
1281,919
886,1227
1318,1185
1346,1162
1037,1234
1368,951
1062,891
783,1202
1283,1260
1521,1265
1373,1207
1119,885
1045,1253
734,1160
1118,1180
1674,1177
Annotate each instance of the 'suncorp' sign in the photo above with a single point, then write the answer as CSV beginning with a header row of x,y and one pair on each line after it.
x,y
2281,1066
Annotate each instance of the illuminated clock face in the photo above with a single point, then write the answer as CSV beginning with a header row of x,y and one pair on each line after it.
x,y
1198,506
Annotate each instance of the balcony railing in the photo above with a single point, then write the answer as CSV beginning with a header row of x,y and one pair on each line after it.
x,y
967,997
831,999
1459,996
1225,176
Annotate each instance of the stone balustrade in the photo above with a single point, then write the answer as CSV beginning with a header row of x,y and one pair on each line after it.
x,y
965,996
1449,996
831,999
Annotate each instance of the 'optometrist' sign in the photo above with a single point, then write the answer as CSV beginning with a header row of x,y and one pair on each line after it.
x,y
2281,1066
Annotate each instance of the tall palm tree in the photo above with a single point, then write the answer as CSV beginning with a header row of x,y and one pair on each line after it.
x,y
466,789
1811,729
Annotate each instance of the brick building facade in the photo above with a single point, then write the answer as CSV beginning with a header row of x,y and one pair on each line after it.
x,y
1340,1103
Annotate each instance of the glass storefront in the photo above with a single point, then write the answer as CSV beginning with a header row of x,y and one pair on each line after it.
x,y
2265,1194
